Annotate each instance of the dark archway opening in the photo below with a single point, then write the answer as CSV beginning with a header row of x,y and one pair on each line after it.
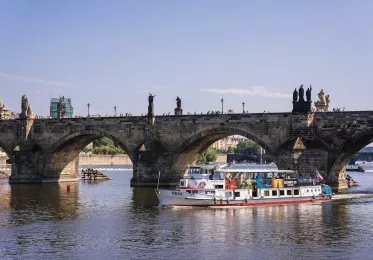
x,y
191,150
63,158
5,164
350,153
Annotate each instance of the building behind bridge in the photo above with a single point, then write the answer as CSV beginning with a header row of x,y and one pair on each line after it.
x,y
226,144
5,113
61,106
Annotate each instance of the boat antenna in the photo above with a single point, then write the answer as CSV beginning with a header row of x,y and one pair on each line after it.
x,y
159,176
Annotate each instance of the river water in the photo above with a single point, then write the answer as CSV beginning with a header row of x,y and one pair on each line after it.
x,y
111,220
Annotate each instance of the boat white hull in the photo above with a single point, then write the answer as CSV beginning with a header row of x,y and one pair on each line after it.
x,y
182,198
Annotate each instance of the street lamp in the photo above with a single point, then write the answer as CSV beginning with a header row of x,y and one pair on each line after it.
x,y
115,110
88,105
222,102
243,107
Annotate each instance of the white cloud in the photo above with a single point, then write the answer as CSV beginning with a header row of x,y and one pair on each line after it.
x,y
34,80
251,91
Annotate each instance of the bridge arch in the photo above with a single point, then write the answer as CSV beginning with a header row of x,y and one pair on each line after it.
x,y
351,147
191,148
67,149
7,148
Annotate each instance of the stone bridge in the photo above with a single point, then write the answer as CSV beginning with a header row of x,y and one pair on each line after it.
x,y
46,150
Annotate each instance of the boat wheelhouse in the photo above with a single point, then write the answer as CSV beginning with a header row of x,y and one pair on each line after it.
x,y
242,187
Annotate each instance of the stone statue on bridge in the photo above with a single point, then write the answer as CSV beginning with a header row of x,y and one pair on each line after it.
x,y
151,109
321,96
308,94
151,99
301,93
321,104
301,106
26,108
327,101
178,110
295,95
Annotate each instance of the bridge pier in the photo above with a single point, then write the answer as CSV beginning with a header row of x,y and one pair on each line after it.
x,y
338,182
62,172
148,166
29,167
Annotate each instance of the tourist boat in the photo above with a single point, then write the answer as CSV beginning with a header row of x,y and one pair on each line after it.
x,y
234,186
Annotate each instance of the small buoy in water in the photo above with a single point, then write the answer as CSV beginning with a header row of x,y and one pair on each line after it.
x,y
68,188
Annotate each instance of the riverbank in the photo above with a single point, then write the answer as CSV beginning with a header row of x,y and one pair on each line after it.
x,y
95,159
100,159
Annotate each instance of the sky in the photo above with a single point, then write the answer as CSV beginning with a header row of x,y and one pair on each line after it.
x,y
114,53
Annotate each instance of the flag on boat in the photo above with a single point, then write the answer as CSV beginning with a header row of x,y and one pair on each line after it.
x,y
318,176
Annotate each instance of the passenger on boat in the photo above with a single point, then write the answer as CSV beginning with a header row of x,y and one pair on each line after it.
x,y
259,181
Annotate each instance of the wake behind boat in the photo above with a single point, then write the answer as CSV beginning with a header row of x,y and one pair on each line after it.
x,y
227,186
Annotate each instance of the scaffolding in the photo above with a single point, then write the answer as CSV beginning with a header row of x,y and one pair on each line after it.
x,y
61,107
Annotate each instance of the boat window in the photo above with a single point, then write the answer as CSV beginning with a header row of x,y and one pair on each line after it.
x,y
188,191
296,192
182,183
266,193
308,190
274,193
195,170
282,192
247,175
194,191
228,194
218,186
288,192
291,175
237,194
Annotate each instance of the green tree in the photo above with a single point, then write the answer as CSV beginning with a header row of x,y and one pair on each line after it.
x,y
104,145
209,155
246,147
103,141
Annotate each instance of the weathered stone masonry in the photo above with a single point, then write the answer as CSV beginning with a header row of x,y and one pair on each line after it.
x,y
46,150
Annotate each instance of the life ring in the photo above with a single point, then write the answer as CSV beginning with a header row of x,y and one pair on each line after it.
x,y
202,184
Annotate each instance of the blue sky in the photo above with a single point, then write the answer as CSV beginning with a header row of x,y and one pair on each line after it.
x,y
113,53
